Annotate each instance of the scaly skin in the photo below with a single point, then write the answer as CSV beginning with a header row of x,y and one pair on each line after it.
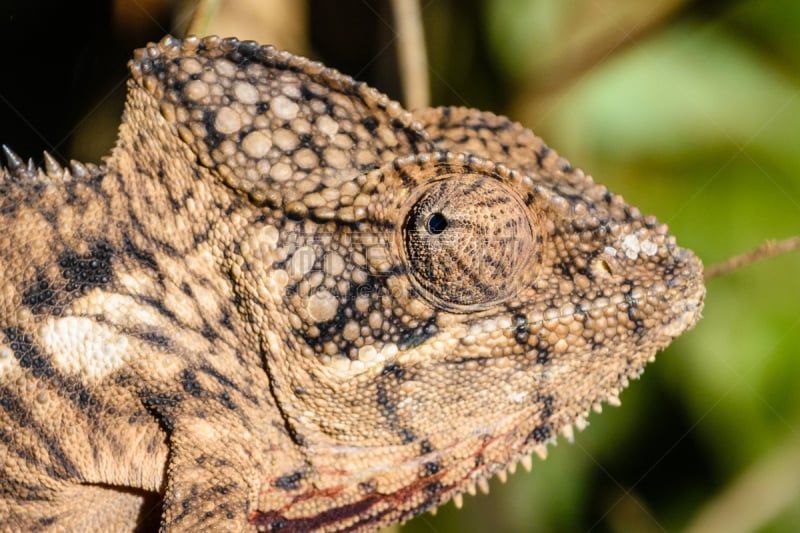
x,y
284,303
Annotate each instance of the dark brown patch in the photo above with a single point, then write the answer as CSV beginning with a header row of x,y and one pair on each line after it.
x,y
289,481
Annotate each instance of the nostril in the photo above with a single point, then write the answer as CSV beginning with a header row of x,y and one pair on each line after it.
x,y
601,267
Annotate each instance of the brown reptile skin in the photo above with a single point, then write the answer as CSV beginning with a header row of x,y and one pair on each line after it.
x,y
284,303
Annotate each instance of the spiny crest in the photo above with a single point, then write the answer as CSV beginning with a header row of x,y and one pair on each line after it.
x,y
52,171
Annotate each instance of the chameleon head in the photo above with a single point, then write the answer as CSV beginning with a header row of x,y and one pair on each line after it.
x,y
436,295
497,309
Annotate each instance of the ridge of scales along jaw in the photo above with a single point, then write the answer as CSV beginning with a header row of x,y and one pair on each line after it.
x,y
686,311
683,305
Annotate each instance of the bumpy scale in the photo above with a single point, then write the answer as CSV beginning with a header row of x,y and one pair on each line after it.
x,y
284,303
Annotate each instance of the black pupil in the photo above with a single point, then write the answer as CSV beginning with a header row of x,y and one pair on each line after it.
x,y
437,223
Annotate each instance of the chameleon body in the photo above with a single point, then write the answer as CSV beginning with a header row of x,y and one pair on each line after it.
x,y
284,303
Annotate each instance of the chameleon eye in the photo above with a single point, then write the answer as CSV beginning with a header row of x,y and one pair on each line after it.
x,y
468,242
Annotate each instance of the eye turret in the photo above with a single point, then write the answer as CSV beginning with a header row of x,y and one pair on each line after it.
x,y
468,241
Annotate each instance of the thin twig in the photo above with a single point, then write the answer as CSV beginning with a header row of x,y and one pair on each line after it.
x,y
767,249
200,15
411,53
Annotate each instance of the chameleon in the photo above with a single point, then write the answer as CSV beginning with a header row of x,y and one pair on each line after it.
x,y
285,303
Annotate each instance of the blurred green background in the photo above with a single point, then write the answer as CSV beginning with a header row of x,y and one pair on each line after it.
x,y
691,110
